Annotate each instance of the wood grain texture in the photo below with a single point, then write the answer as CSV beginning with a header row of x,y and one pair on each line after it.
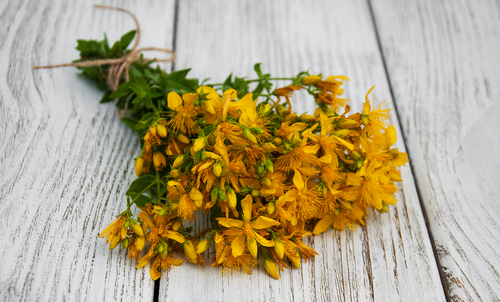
x,y
389,260
443,59
65,160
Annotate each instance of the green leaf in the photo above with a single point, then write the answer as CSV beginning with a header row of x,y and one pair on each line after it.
x,y
141,183
155,94
175,86
105,98
130,122
141,201
127,38
122,91
178,74
138,187
208,130
104,46
152,76
256,67
138,89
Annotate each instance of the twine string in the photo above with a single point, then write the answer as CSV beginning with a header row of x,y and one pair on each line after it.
x,y
119,67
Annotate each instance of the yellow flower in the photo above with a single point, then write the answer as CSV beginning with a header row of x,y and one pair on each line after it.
x,y
116,228
377,117
183,115
246,229
212,105
163,263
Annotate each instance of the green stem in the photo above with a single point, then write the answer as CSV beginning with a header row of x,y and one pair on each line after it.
x,y
143,191
258,80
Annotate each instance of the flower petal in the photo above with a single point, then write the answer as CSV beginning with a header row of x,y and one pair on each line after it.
x,y
246,204
174,100
229,223
298,181
263,223
238,245
323,225
174,236
263,241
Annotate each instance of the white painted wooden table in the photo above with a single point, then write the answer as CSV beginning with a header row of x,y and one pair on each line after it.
x,y
66,160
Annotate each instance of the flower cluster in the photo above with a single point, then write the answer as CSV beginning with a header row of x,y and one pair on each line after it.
x,y
267,177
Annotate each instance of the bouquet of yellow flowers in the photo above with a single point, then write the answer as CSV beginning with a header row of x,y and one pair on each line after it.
x,y
266,176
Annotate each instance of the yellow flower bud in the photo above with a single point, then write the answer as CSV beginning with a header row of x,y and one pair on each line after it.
x,y
208,107
291,117
356,155
280,109
199,143
279,248
271,207
307,118
159,160
296,261
190,251
161,130
265,108
178,161
114,242
271,268
252,247
125,243
139,243
342,132
277,141
136,228
217,169
175,173
365,119
311,80
348,124
183,139
265,181
231,198
176,226
249,136
202,246
255,193
269,147
139,165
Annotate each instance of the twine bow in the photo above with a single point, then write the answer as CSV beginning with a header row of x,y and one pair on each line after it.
x,y
117,67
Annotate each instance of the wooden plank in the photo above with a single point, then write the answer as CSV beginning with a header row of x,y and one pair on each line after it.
x,y
391,258
442,58
66,160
